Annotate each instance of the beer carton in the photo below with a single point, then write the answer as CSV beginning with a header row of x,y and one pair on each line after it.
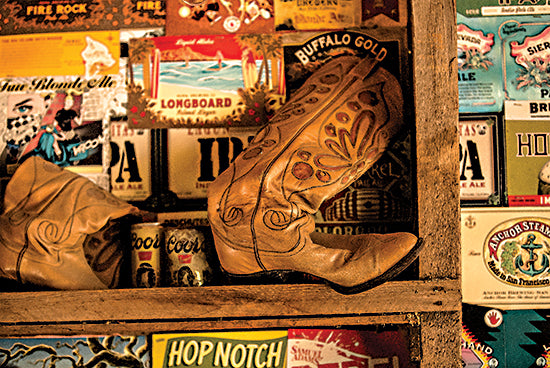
x,y
506,257
481,148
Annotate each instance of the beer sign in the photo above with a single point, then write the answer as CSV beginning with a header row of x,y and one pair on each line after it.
x,y
236,349
506,257
479,160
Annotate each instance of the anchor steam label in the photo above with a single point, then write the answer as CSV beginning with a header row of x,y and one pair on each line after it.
x,y
517,252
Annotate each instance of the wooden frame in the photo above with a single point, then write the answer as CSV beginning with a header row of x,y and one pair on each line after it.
x,y
431,303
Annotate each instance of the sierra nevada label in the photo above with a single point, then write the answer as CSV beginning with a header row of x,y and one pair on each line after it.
x,y
236,349
517,252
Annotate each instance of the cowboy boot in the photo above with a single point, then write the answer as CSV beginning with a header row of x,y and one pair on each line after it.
x,y
326,136
50,216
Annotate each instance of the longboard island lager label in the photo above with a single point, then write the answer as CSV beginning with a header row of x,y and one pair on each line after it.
x,y
517,252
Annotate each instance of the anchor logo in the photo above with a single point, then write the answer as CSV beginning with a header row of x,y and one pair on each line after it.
x,y
531,246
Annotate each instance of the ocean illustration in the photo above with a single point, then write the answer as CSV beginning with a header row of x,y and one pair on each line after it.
x,y
226,76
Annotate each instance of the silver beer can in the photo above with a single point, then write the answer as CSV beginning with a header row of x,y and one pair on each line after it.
x,y
147,239
186,257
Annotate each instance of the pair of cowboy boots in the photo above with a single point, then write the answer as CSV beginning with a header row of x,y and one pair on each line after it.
x,y
326,136
58,230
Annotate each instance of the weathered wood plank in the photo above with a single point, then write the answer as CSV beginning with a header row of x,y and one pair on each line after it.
x,y
435,77
149,327
227,302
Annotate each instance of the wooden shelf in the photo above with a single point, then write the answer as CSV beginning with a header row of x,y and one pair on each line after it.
x,y
433,304
127,310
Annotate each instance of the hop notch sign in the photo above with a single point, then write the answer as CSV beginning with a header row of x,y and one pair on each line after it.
x,y
250,349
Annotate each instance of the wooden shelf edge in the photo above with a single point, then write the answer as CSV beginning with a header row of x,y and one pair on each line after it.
x,y
224,302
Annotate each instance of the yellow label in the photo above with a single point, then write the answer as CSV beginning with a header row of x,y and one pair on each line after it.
x,y
66,53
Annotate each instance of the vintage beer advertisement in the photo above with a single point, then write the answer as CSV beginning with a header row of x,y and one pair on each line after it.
x,y
391,13
219,17
204,81
108,350
61,117
526,46
479,66
236,349
480,168
202,154
305,15
527,131
506,257
90,54
493,337
488,8
130,163
383,196
47,16
387,348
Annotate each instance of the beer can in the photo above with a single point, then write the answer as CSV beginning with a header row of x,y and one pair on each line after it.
x,y
186,257
147,239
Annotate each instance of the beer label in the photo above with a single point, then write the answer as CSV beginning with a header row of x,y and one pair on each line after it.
x,y
202,154
46,16
479,160
146,240
517,252
237,349
479,67
130,162
505,257
348,348
317,14
186,263
527,152
204,81
224,17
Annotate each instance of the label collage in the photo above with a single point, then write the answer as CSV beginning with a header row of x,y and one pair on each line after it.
x,y
504,127
108,89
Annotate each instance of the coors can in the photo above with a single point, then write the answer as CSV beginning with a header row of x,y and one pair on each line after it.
x,y
146,247
187,264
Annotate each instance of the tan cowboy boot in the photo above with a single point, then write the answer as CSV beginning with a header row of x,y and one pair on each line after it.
x,y
326,136
49,217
